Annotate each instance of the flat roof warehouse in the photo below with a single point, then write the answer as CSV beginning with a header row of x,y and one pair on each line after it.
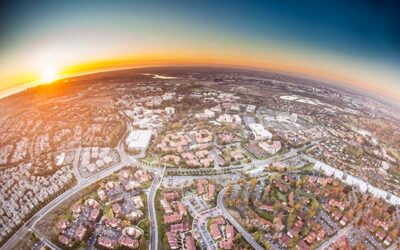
x,y
139,139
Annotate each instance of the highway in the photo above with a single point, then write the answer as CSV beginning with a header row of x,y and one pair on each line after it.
x,y
239,228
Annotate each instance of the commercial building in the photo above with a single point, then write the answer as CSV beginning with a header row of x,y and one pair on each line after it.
x,y
259,132
270,148
139,139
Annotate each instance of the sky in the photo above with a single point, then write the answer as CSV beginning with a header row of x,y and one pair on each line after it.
x,y
353,43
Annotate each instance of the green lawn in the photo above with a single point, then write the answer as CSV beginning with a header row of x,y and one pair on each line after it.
x,y
265,215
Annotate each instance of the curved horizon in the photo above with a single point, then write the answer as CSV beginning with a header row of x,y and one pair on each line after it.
x,y
326,41
25,86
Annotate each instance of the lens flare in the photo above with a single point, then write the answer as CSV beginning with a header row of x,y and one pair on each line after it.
x,y
49,74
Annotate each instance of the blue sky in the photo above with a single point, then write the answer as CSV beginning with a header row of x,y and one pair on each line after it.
x,y
365,34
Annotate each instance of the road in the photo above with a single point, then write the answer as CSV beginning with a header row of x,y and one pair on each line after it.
x,y
58,201
82,183
199,227
340,233
353,183
212,171
45,240
126,160
75,164
233,168
239,228
152,210
337,236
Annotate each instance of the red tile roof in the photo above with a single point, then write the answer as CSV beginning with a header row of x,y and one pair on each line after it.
x,y
219,220
181,208
94,214
181,227
190,244
105,242
284,239
301,245
294,231
168,219
128,242
226,244
169,196
173,243
230,231
215,232
80,232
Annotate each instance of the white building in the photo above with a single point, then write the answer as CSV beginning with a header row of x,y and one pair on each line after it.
x,y
107,160
237,119
394,199
251,108
100,163
354,181
225,118
385,165
169,110
138,110
293,117
259,132
168,96
139,139
216,109
235,107
208,113
270,148
60,159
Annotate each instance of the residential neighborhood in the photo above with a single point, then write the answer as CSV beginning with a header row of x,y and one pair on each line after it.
x,y
198,159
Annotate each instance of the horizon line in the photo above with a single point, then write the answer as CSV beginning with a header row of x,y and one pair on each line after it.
x,y
328,82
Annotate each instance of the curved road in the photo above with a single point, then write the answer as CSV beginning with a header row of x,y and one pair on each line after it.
x,y
81,184
152,211
125,160
56,202
239,228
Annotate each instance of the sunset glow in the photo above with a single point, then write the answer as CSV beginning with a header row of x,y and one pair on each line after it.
x,y
187,125
49,74
93,36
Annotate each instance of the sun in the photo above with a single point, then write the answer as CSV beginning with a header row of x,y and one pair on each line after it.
x,y
49,74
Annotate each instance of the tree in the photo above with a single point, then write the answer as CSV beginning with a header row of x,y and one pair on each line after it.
x,y
238,237
253,183
257,236
394,233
